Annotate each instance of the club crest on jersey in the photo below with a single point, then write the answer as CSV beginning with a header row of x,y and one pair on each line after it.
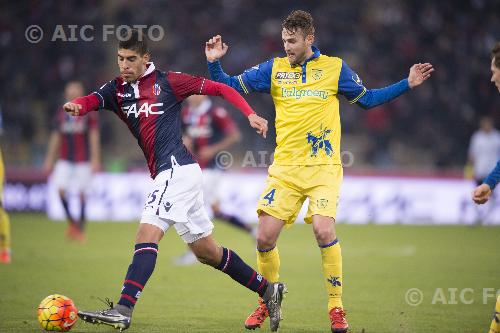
x,y
156,89
146,109
317,74
320,142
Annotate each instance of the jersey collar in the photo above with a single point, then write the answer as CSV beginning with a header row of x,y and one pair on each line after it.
x,y
150,67
316,54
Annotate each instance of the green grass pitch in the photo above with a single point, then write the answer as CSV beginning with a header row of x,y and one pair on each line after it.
x,y
380,264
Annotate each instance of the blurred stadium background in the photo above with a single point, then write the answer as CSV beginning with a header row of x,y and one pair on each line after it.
x,y
407,156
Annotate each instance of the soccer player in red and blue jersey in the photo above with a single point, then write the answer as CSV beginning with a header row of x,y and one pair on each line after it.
x,y
483,192
76,142
149,102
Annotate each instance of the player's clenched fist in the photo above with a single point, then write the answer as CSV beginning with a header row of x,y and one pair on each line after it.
x,y
72,108
215,48
259,123
481,194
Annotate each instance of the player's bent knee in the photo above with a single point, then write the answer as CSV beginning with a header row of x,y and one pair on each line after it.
x,y
264,242
324,235
148,233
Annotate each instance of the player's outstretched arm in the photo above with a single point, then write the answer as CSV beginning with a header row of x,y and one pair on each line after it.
x,y
212,88
369,98
483,192
82,105
419,73
215,48
494,177
257,78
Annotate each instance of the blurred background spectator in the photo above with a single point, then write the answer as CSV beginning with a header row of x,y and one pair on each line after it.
x,y
428,129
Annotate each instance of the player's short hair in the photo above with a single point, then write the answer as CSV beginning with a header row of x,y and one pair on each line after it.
x,y
299,19
495,54
135,40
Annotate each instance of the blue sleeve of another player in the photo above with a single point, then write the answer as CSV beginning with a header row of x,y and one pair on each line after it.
x,y
257,78
494,177
351,86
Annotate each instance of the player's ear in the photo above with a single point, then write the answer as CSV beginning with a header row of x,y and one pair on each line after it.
x,y
310,40
146,57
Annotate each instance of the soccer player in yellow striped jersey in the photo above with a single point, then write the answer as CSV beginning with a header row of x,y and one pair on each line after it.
x,y
305,86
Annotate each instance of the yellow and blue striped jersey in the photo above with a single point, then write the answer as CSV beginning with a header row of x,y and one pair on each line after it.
x,y
305,96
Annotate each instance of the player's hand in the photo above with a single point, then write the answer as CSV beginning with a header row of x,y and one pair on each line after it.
x,y
259,123
419,73
72,108
481,194
215,48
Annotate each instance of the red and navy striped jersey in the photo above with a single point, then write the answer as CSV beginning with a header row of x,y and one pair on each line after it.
x,y
151,108
74,132
206,125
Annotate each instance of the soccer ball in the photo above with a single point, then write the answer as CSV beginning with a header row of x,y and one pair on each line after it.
x,y
57,313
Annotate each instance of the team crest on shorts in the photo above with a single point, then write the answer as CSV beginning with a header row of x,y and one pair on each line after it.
x,y
322,203
167,206
156,89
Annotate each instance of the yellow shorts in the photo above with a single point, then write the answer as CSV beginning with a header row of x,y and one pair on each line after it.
x,y
287,186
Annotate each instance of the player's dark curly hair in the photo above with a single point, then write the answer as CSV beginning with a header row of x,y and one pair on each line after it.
x,y
135,40
495,54
299,19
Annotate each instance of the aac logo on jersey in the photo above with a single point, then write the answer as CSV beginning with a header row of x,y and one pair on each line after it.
x,y
145,109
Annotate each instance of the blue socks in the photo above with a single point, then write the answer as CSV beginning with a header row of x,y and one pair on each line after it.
x,y
143,265
239,271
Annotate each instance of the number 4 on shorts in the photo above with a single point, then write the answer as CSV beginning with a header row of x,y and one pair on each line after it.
x,y
270,196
